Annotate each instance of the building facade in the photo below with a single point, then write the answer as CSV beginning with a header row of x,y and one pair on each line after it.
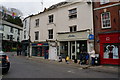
x,y
11,36
26,36
107,31
10,30
63,29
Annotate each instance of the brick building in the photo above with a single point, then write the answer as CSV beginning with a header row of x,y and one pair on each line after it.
x,y
107,31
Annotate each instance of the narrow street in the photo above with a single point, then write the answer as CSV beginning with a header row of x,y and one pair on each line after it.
x,y
21,67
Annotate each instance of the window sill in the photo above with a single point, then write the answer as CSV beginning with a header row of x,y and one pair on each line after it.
x,y
106,27
72,18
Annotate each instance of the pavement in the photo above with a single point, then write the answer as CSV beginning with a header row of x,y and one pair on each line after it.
x,y
100,68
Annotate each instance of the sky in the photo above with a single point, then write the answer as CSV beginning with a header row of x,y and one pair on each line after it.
x,y
28,7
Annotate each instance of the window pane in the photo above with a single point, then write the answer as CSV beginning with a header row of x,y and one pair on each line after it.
x,y
50,35
111,51
106,19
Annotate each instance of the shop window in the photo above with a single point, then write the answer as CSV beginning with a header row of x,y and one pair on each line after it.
x,y
37,35
106,20
111,51
50,34
50,18
104,1
73,13
37,22
73,28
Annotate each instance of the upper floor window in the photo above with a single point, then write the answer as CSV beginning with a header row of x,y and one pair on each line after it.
x,y
25,24
37,35
37,22
2,27
8,36
51,18
105,20
73,28
104,1
11,37
24,34
73,13
50,34
18,38
11,29
19,31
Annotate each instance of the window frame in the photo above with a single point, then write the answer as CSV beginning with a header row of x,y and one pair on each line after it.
x,y
36,22
25,24
105,20
51,18
11,30
24,34
50,34
73,28
37,35
72,13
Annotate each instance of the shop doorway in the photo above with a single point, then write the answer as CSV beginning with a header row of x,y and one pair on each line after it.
x,y
73,50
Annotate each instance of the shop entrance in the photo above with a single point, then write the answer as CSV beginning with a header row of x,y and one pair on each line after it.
x,y
72,50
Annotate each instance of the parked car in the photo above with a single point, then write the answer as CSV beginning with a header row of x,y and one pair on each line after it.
x,y
4,62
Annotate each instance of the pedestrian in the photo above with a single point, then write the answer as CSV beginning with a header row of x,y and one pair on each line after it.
x,y
67,59
17,51
81,55
20,50
92,55
87,58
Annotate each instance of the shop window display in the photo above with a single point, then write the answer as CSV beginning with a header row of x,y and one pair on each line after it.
x,y
111,51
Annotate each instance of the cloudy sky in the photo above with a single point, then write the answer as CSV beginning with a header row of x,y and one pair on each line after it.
x,y
28,7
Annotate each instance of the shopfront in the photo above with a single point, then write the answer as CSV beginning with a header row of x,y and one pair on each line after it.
x,y
40,49
110,48
74,43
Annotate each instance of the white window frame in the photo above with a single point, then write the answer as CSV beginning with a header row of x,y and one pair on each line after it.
x,y
73,28
37,35
72,12
104,1
37,22
25,24
51,20
25,34
105,20
50,34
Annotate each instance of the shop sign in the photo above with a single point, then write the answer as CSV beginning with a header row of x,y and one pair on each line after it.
x,y
71,35
107,38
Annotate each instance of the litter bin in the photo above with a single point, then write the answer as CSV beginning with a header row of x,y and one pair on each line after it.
x,y
97,59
